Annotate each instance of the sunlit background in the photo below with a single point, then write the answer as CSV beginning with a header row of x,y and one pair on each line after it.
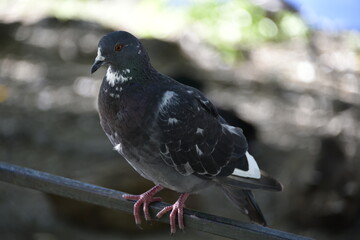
x,y
287,72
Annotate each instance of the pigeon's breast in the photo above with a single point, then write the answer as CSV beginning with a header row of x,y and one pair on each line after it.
x,y
129,116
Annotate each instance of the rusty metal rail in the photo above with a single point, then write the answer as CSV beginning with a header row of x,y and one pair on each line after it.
x,y
109,198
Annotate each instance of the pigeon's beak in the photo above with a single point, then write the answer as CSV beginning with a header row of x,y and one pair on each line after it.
x,y
97,64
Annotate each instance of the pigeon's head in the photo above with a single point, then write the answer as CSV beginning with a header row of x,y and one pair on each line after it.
x,y
120,50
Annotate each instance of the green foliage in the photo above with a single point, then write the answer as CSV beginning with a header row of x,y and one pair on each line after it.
x,y
226,25
229,25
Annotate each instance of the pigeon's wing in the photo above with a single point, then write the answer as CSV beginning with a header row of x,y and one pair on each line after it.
x,y
194,139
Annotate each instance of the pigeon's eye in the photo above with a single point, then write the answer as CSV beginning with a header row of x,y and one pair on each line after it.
x,y
118,47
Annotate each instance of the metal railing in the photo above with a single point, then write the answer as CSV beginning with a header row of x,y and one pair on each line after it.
x,y
109,198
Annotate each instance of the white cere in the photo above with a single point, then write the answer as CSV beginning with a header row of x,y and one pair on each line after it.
x,y
99,56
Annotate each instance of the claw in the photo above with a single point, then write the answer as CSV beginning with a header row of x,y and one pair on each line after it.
x,y
144,199
176,209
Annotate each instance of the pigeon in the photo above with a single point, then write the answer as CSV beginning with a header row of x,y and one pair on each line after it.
x,y
171,134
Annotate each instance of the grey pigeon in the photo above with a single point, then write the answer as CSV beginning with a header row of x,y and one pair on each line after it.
x,y
171,134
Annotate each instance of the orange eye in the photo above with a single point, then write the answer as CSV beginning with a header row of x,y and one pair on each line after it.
x,y
118,47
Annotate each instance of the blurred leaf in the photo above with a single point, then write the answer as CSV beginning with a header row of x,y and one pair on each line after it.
x,y
226,25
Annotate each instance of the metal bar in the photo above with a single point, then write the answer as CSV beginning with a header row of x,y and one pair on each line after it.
x,y
109,198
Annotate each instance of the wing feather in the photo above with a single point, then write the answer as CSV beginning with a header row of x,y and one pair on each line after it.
x,y
194,139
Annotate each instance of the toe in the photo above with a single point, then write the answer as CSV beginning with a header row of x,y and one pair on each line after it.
x,y
146,211
163,211
172,221
131,197
180,219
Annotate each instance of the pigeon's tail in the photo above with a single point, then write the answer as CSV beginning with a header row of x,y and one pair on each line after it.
x,y
265,182
238,190
244,199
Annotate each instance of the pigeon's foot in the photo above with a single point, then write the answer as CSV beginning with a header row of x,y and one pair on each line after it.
x,y
144,199
176,208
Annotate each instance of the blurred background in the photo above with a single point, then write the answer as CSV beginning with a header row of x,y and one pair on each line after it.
x,y
287,72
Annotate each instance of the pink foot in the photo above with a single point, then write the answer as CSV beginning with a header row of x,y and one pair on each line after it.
x,y
144,199
176,208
